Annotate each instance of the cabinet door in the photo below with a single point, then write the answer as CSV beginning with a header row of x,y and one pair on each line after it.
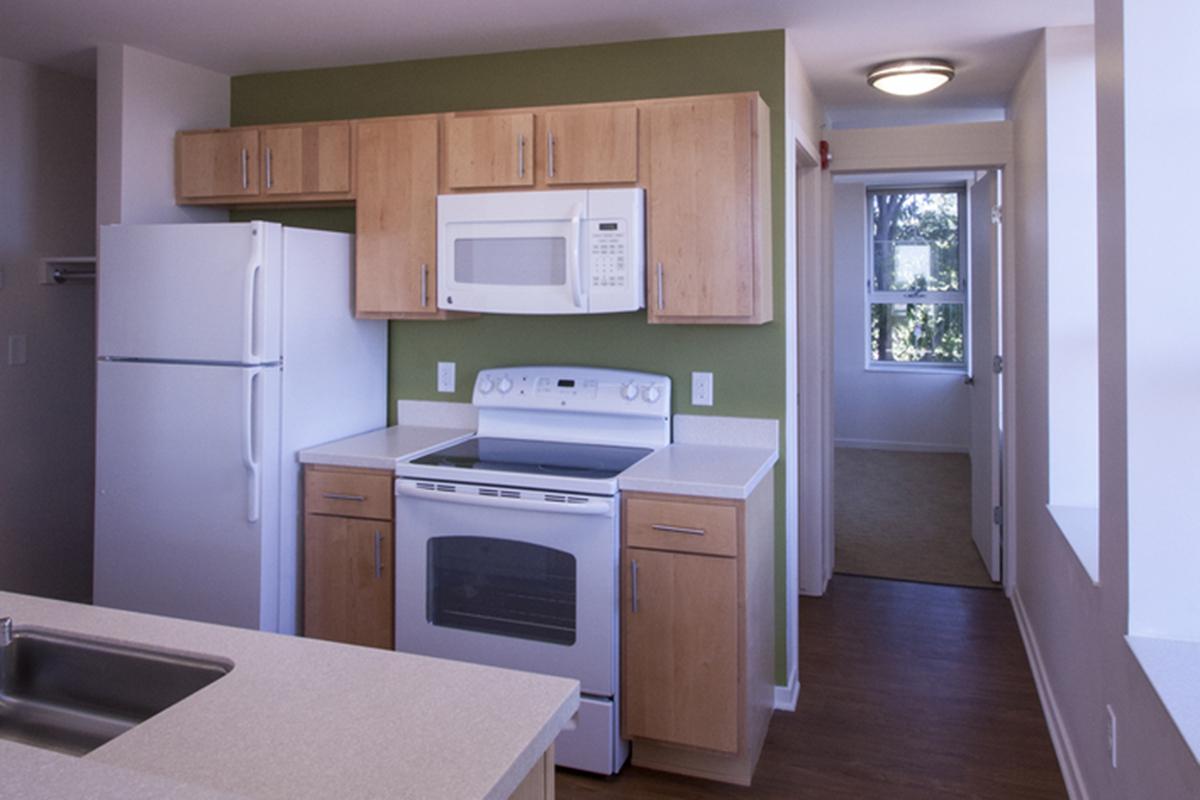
x,y
396,225
592,145
307,159
489,150
216,164
348,580
700,209
679,619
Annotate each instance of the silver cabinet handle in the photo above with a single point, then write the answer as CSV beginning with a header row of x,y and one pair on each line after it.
x,y
521,156
633,584
550,153
356,498
659,278
378,554
424,285
270,181
677,529
245,169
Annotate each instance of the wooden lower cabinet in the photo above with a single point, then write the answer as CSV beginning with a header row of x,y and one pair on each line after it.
x,y
681,640
539,782
698,631
349,561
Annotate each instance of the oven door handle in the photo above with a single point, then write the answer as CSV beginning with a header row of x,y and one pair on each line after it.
x,y
595,506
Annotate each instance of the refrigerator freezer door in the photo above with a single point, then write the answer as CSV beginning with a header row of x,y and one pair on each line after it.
x,y
186,455
209,292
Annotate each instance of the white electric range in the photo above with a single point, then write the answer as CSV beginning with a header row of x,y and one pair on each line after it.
x,y
507,543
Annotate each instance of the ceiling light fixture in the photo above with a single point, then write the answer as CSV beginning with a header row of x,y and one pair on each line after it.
x,y
910,77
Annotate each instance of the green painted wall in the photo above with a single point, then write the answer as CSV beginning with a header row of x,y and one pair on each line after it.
x,y
747,362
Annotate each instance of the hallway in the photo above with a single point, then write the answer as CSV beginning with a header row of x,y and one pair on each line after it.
x,y
907,691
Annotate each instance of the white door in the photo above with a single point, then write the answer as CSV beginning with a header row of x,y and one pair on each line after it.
x,y
208,292
183,464
985,394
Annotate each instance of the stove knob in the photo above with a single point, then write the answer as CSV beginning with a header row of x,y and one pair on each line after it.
x,y
505,385
651,393
485,385
629,391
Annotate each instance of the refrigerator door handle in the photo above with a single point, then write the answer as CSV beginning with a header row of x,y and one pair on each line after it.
x,y
251,444
252,313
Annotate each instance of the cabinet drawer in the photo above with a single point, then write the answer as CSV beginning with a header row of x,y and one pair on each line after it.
x,y
348,493
682,525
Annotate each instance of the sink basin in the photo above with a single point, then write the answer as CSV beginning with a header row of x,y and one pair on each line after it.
x,y
72,693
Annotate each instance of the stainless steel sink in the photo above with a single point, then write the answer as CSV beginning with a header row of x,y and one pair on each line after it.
x,y
72,693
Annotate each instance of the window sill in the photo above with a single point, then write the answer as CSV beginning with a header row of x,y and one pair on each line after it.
x,y
1171,665
918,367
1080,526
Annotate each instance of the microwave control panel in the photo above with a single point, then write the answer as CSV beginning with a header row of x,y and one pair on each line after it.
x,y
609,244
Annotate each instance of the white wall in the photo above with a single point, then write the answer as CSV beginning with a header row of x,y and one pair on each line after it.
x,y
1075,628
807,448
1070,144
143,100
47,168
919,410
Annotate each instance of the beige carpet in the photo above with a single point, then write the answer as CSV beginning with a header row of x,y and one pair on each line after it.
x,y
905,516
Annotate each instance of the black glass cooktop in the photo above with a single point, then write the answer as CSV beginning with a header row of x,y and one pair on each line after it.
x,y
537,458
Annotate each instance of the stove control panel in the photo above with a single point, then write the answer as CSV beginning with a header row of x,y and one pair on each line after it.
x,y
579,389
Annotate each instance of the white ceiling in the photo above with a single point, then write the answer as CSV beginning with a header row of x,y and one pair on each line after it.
x,y
839,39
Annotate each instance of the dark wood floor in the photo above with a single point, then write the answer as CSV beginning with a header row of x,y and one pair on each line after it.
x,y
907,690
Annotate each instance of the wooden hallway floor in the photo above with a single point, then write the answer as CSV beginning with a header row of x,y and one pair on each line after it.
x,y
907,690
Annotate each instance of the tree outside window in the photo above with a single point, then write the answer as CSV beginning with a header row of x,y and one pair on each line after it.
x,y
916,296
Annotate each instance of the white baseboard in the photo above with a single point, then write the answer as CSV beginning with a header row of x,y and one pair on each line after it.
x,y
1067,762
912,447
786,697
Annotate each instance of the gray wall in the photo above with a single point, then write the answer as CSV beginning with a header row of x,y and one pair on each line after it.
x,y
47,204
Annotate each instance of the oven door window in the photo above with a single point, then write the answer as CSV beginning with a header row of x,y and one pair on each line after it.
x,y
502,587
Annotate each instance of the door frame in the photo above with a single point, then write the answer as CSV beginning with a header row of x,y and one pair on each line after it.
x,y
924,148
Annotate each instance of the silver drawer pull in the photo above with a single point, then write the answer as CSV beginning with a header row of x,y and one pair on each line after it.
x,y
677,529
357,498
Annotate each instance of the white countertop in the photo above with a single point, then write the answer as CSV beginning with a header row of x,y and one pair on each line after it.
x,y
300,718
703,470
384,448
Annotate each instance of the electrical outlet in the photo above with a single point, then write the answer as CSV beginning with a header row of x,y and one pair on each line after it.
x,y
445,376
16,349
702,388
1112,735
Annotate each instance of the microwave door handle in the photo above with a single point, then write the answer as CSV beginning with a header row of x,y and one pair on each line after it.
x,y
577,282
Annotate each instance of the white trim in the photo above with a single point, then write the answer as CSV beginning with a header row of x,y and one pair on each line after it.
x,y
791,423
909,447
786,697
1067,762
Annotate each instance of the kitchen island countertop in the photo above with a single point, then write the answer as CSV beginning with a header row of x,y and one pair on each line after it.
x,y
299,718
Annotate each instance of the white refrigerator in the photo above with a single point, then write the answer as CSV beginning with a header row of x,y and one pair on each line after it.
x,y
222,350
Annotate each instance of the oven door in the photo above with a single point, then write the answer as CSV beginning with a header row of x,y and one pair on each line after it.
x,y
508,578
515,253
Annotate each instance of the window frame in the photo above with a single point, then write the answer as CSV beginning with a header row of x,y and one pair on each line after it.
x,y
873,297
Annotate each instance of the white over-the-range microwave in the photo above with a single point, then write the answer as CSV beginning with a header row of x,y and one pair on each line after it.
x,y
569,251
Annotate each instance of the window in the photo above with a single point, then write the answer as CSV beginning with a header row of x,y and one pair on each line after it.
x,y
916,286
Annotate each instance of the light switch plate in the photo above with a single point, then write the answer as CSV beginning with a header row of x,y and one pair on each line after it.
x,y
445,376
702,388
16,349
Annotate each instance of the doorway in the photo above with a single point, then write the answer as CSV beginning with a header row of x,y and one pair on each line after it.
x,y
916,409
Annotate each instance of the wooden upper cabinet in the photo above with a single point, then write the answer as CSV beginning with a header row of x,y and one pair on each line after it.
x,y
597,144
489,150
396,243
307,159
708,214
216,164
